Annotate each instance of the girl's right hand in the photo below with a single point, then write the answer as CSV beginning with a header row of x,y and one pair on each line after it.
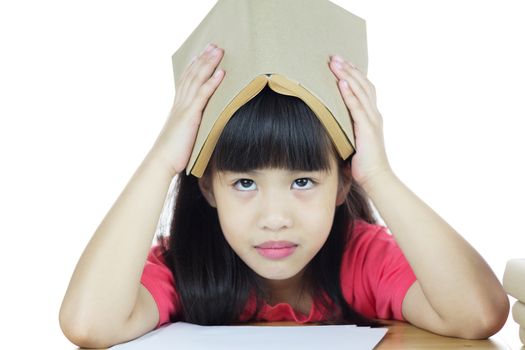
x,y
196,85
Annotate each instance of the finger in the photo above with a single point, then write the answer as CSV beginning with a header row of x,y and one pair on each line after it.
x,y
186,70
345,71
359,76
186,78
363,80
354,95
202,70
356,88
364,99
207,89
353,103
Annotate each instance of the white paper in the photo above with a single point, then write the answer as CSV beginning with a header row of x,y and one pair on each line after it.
x,y
182,335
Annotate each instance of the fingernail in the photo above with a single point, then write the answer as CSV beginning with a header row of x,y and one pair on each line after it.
x,y
215,52
209,47
337,58
217,73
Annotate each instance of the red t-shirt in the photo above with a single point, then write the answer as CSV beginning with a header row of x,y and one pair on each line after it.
x,y
375,277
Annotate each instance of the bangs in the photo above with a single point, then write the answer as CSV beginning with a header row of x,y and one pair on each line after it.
x,y
273,131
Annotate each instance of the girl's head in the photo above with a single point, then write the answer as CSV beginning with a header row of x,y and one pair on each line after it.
x,y
274,175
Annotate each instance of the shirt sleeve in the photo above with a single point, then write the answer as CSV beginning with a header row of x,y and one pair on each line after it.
x,y
392,276
380,273
158,280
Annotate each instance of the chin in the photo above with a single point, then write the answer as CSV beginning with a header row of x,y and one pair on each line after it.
x,y
276,272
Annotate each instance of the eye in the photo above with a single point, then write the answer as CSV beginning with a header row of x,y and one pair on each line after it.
x,y
245,183
304,181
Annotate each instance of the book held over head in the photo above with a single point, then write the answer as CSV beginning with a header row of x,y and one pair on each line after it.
x,y
285,44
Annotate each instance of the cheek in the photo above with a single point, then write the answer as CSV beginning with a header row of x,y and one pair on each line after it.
x,y
320,221
234,224
320,209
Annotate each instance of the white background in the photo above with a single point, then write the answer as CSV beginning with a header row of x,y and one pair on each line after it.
x,y
85,88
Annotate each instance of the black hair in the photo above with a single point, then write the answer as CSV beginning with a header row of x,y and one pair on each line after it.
x,y
270,131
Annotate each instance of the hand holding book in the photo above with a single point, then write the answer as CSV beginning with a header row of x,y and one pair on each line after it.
x,y
370,159
197,83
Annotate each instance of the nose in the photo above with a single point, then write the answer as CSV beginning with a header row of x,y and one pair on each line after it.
x,y
275,213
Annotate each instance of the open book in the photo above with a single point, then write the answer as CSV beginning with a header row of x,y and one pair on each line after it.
x,y
283,43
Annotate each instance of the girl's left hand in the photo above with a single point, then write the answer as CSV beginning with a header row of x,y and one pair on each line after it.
x,y
370,160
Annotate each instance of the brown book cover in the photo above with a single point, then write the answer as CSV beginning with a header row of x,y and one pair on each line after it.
x,y
286,44
514,279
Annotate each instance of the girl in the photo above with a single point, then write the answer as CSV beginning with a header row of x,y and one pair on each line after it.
x,y
278,228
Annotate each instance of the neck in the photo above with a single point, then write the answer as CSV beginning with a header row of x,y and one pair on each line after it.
x,y
291,290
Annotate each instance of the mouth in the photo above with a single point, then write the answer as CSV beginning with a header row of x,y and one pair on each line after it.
x,y
276,249
276,245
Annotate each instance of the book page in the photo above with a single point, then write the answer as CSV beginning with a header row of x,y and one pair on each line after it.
x,y
182,335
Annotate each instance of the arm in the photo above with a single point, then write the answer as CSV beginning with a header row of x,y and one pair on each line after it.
x,y
456,292
105,302
105,285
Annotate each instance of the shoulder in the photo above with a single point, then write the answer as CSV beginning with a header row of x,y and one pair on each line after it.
x,y
363,227
367,236
371,255
370,245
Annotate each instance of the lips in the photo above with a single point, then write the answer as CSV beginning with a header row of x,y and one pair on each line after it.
x,y
276,245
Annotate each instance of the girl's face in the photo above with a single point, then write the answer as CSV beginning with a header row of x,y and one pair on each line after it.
x,y
275,205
